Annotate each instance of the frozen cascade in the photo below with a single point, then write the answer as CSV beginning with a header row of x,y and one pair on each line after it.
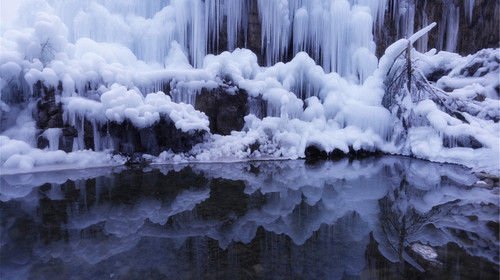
x,y
213,22
469,8
235,11
122,77
275,29
148,28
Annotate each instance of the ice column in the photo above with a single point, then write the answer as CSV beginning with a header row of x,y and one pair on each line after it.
x,y
213,23
448,29
469,8
339,37
190,18
276,25
234,11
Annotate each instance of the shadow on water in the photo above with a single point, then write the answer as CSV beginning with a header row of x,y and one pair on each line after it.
x,y
377,218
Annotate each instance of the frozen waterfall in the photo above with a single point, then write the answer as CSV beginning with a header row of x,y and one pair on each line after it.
x,y
194,80
331,32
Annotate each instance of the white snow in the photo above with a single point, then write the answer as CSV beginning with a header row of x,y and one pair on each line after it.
x,y
18,157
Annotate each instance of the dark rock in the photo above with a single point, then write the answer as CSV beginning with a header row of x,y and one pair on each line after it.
x,y
55,109
253,40
88,135
137,159
161,136
474,143
125,137
472,69
49,113
69,131
66,143
250,40
149,140
225,111
479,98
228,120
42,119
486,176
483,31
336,154
437,74
42,143
462,141
55,121
254,146
257,106
448,89
171,138
361,154
313,152
479,33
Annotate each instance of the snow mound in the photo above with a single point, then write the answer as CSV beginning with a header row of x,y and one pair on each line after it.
x,y
18,157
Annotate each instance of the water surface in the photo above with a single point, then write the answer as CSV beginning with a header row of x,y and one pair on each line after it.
x,y
255,220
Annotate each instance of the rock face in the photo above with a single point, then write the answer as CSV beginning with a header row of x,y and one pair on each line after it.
x,y
475,33
49,114
482,31
162,136
314,154
123,137
225,109
251,40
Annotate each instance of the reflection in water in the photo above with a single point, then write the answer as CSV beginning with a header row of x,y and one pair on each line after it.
x,y
277,220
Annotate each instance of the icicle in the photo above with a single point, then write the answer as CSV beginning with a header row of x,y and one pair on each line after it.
x,y
382,4
198,44
300,30
424,41
361,29
234,11
190,19
449,28
453,16
339,36
469,8
80,130
213,23
97,136
75,145
275,29
377,9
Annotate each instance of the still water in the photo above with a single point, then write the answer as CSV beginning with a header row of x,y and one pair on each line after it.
x,y
255,220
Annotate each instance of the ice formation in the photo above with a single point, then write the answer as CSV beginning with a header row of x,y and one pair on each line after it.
x,y
83,67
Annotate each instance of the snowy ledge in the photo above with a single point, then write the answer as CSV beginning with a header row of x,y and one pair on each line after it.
x,y
36,160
